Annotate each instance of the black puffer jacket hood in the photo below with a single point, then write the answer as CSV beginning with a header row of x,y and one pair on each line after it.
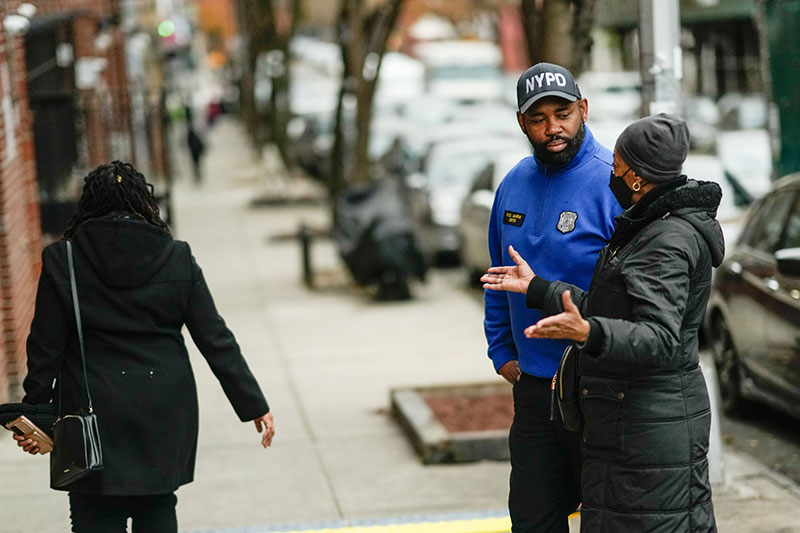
x,y
123,251
694,201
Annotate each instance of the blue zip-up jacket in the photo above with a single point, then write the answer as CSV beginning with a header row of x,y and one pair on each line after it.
x,y
558,220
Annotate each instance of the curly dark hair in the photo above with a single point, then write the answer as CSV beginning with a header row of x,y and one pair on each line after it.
x,y
115,187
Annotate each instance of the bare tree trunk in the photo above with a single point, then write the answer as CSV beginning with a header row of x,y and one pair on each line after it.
x,y
377,26
336,164
362,36
532,27
364,94
280,108
559,31
246,98
260,23
582,40
337,161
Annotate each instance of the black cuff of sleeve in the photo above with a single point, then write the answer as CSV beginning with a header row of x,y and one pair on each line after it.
x,y
258,407
534,297
594,342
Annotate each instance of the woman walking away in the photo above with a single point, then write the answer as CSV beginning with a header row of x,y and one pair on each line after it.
x,y
137,287
643,400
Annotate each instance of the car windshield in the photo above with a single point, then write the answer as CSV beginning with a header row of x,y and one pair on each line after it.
x,y
739,112
702,110
747,155
752,114
750,159
455,169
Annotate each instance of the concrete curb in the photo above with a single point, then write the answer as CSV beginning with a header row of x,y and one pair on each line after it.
x,y
455,522
434,443
755,468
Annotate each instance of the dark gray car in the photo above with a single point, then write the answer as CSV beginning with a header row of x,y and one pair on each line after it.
x,y
753,318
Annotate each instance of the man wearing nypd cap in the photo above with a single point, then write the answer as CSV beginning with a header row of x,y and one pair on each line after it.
x,y
555,208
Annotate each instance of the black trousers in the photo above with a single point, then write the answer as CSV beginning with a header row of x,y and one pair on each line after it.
x,y
92,513
545,462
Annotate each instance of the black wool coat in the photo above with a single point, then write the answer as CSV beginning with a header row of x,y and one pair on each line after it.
x,y
137,288
642,395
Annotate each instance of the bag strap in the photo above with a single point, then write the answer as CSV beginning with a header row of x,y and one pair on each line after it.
x,y
76,306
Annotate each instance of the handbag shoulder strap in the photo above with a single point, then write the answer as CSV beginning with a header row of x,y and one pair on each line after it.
x,y
79,324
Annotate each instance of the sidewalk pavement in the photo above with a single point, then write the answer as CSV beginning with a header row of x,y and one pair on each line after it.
x,y
326,360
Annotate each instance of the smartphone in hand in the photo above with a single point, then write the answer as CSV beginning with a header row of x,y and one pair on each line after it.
x,y
24,427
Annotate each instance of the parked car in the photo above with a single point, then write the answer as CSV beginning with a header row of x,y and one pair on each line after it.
x,y
422,139
401,78
612,95
442,184
739,111
746,156
702,117
476,209
312,139
753,319
744,146
704,167
428,109
462,70
606,130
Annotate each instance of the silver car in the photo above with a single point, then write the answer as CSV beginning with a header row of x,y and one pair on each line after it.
x,y
450,168
476,210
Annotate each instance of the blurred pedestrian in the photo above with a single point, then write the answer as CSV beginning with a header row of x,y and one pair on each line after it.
x,y
196,146
645,408
554,206
137,287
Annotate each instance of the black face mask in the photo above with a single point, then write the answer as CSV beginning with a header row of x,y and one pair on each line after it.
x,y
621,191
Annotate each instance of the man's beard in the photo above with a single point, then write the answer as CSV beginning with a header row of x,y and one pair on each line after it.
x,y
557,159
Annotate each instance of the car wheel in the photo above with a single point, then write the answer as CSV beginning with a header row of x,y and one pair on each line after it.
x,y
728,373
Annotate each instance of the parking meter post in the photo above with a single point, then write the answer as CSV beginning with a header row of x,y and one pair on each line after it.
x,y
660,56
716,465
305,250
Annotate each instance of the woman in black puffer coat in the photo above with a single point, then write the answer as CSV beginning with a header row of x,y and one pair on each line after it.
x,y
644,403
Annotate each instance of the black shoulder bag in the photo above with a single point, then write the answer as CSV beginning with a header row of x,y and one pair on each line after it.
x,y
564,393
76,448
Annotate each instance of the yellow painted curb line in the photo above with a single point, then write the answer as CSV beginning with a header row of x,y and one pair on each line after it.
x,y
482,525
486,525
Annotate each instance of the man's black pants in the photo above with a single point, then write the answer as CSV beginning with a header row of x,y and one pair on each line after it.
x,y
545,462
92,513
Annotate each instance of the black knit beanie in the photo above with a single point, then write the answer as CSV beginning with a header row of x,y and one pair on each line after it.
x,y
655,147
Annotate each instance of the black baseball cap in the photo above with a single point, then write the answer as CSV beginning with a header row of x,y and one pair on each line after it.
x,y
545,79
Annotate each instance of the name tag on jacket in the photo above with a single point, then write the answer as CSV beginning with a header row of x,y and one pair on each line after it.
x,y
515,219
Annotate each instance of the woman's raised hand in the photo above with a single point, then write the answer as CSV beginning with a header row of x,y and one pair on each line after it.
x,y
567,325
509,278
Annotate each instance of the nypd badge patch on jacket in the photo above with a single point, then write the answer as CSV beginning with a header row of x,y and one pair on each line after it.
x,y
566,221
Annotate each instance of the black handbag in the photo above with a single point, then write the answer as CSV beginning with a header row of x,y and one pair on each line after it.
x,y
76,450
565,389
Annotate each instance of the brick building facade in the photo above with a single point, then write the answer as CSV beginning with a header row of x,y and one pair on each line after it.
x,y
63,89
20,238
